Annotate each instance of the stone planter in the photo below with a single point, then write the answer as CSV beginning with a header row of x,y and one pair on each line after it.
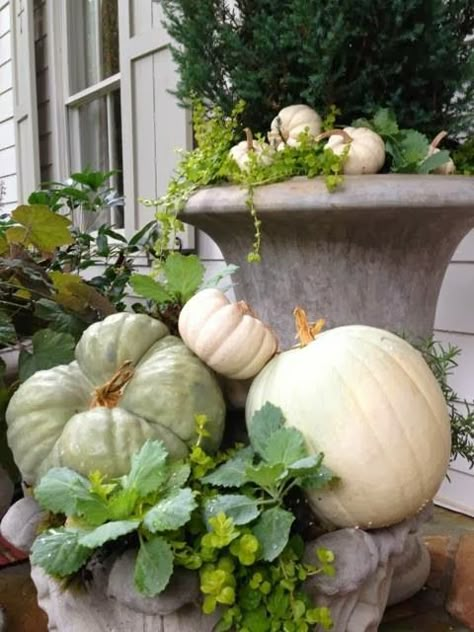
x,y
373,252
372,569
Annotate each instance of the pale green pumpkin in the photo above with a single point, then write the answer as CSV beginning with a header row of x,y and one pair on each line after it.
x,y
367,400
51,422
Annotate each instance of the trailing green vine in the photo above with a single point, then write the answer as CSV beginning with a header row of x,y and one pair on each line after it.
x,y
209,164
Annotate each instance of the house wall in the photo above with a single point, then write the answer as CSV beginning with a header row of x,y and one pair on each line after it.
x,y
454,322
454,325
7,132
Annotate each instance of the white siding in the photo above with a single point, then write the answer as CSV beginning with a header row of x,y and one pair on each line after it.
x,y
454,324
7,133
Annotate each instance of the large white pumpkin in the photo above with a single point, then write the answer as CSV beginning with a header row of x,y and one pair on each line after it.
x,y
367,400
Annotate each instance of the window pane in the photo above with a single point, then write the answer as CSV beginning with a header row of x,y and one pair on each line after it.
x,y
94,43
96,145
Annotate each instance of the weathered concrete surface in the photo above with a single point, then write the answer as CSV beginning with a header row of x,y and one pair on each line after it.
x,y
373,252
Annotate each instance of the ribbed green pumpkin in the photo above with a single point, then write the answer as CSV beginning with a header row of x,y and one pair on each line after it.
x,y
51,422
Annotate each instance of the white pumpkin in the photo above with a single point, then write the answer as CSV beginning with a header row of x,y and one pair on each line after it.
x,y
290,122
131,381
448,167
366,149
367,400
242,151
226,336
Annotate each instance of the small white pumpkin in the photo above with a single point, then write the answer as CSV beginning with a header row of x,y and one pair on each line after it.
x,y
448,167
242,151
366,149
290,122
226,336
367,400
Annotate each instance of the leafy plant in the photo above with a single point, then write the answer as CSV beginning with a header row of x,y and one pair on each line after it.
x,y
179,278
412,56
239,539
442,361
408,149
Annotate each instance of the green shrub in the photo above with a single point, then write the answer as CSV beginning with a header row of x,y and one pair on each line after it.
x,y
409,55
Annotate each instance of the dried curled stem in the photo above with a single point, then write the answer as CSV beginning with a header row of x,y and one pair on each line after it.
x,y
438,138
108,395
306,332
335,132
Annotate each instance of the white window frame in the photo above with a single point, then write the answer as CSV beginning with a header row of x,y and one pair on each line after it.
x,y
67,151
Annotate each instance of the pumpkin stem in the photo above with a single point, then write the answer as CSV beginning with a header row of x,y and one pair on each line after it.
x,y
108,395
248,135
306,332
438,138
245,308
335,132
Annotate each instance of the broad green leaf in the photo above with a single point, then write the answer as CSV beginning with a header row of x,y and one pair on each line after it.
x,y
434,161
240,508
58,552
286,446
184,274
230,474
217,278
178,474
273,531
44,228
150,289
171,512
3,244
148,471
106,532
7,330
59,490
121,505
265,475
92,179
93,509
385,122
322,478
75,294
60,319
413,147
50,348
140,235
265,421
153,567
307,465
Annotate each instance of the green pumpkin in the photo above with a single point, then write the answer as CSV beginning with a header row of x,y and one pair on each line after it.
x,y
51,422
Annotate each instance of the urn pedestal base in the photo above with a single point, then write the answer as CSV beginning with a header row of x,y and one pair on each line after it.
x,y
373,569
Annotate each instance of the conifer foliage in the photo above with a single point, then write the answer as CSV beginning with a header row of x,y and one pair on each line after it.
x,y
409,55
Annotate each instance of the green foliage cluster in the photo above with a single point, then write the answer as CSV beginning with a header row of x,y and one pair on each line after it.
x,y
407,149
223,516
209,164
409,55
442,361
179,277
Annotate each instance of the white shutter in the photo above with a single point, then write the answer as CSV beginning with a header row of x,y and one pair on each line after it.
x,y
153,124
25,102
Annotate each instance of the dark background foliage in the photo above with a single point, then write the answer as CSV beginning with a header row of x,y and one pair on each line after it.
x,y
409,55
